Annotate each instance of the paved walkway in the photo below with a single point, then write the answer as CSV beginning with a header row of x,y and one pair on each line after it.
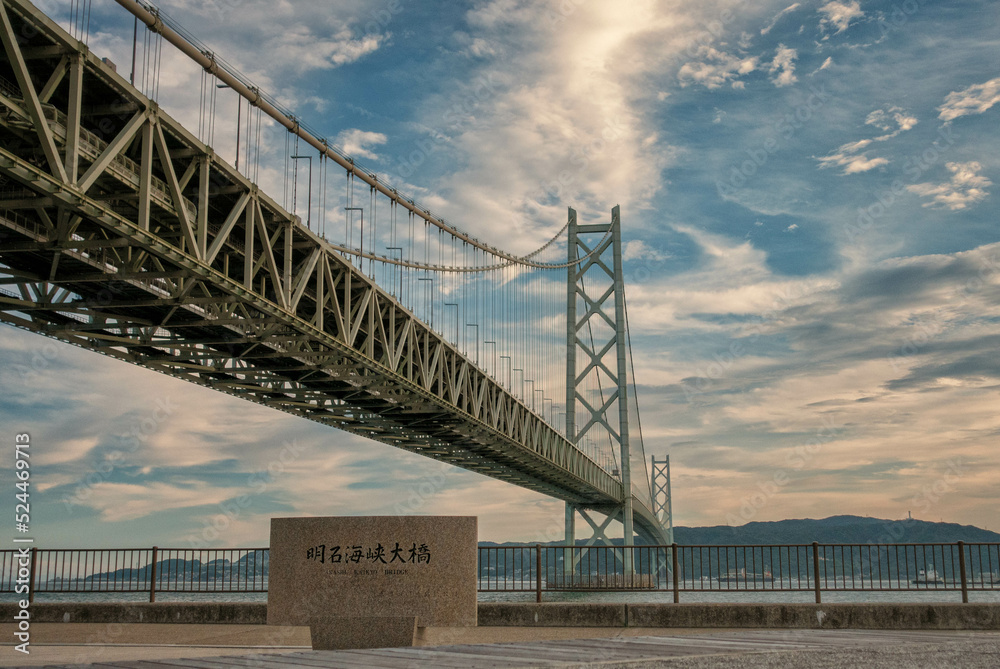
x,y
833,649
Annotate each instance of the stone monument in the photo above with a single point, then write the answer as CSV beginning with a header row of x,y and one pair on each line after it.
x,y
367,581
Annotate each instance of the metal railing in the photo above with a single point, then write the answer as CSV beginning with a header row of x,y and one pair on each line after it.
x,y
815,568
126,570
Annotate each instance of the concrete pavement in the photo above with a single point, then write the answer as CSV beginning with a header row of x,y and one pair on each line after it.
x,y
154,645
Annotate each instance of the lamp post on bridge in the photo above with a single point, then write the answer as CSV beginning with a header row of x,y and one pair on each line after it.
x,y
532,382
428,302
310,193
361,258
399,269
475,325
494,365
509,381
522,382
239,112
453,304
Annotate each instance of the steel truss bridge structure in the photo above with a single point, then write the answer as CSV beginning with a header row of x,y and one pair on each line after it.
x,y
124,233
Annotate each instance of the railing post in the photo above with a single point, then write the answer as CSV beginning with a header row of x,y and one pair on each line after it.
x,y
819,597
961,569
152,576
31,575
538,573
677,577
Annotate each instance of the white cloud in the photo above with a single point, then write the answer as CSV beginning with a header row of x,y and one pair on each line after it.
x,y
118,502
637,249
840,14
296,36
852,163
480,48
783,66
732,278
303,46
69,450
965,188
891,120
777,17
568,86
975,99
826,63
715,68
847,404
356,143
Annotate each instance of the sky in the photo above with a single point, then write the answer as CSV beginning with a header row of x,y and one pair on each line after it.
x,y
812,256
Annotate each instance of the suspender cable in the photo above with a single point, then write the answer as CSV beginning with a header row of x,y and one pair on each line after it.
x,y
159,24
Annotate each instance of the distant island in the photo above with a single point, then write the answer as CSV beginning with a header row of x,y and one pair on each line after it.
x,y
832,530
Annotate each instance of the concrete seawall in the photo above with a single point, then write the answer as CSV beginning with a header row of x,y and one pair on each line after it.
x,y
555,614
798,616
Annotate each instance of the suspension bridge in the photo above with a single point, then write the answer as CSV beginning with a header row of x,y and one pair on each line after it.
x,y
125,233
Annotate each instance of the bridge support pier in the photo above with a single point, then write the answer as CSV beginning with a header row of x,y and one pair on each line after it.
x,y
568,559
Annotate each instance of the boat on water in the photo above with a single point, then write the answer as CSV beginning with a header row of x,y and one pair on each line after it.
x,y
928,577
742,576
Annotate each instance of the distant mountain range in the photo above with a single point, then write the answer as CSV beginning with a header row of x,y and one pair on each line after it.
x,y
836,530
832,530
252,566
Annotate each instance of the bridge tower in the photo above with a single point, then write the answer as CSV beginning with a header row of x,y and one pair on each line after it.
x,y
595,302
663,507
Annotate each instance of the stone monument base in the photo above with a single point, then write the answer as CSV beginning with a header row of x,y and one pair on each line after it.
x,y
362,632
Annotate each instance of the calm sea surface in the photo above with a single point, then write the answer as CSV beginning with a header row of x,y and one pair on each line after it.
x,y
734,596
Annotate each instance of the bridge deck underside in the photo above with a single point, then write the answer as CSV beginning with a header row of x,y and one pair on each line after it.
x,y
124,234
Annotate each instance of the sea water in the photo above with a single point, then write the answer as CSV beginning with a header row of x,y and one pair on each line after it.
x,y
630,597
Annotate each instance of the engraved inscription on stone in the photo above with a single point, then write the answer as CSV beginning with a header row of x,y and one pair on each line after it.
x,y
372,566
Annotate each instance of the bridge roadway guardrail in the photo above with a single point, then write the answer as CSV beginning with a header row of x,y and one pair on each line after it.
x,y
816,568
